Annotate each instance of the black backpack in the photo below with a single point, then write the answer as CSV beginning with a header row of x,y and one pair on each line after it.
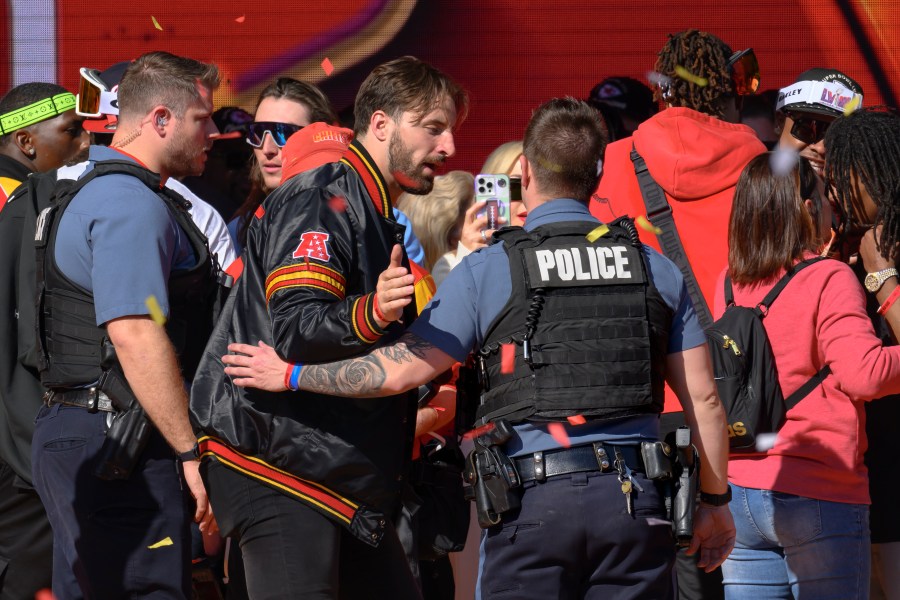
x,y
745,370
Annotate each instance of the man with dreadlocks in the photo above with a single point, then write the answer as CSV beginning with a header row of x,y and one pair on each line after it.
x,y
694,150
862,169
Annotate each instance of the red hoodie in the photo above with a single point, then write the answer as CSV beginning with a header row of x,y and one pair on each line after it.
x,y
696,159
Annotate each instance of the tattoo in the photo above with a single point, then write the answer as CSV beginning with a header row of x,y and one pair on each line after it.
x,y
354,378
404,349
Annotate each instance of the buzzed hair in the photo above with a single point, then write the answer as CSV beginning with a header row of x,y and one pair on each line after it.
x,y
25,95
160,78
564,142
406,84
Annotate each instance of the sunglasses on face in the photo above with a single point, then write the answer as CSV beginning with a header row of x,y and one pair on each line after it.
x,y
809,130
280,132
744,72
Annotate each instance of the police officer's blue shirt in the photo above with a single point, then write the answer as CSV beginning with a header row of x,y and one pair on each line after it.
x,y
474,293
118,240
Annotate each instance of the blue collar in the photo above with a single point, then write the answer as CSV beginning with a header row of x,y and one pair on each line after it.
x,y
555,211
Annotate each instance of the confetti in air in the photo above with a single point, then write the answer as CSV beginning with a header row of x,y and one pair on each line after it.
x,y
766,441
558,431
599,167
507,358
327,66
688,76
156,23
597,233
44,594
240,19
577,420
167,541
646,225
474,433
156,312
851,106
338,204
782,161
549,165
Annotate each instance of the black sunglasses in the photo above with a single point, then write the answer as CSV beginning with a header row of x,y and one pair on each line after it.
x,y
280,132
809,130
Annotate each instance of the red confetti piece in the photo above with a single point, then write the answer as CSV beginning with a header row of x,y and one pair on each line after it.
x,y
474,433
327,66
338,204
438,408
44,594
240,19
558,431
156,23
577,420
404,180
507,358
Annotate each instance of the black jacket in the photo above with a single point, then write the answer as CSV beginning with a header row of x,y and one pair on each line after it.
x,y
311,265
20,387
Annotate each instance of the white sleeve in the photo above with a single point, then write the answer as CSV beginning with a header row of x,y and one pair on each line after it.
x,y
210,223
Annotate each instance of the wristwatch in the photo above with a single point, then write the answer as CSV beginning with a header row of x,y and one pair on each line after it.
x,y
874,281
716,499
192,454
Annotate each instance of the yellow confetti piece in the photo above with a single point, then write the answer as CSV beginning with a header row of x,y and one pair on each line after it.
x,y
688,76
646,225
167,541
156,312
549,165
156,23
597,233
851,106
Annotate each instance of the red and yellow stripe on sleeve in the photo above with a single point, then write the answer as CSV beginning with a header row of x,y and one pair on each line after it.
x,y
363,319
307,274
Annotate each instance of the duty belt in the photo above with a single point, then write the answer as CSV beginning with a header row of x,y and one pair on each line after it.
x,y
89,398
590,457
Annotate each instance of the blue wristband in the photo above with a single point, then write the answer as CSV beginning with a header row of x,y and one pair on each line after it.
x,y
295,375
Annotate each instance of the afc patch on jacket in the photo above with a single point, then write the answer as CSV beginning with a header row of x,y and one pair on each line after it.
x,y
314,245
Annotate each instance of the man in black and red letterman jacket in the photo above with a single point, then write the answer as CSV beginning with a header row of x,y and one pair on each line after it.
x,y
311,483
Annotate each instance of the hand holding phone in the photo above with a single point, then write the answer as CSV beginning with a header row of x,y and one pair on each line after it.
x,y
494,192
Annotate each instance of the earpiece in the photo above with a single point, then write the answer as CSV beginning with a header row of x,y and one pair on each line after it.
x,y
161,121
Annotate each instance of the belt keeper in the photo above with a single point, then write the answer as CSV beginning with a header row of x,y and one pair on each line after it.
x,y
602,457
539,473
93,400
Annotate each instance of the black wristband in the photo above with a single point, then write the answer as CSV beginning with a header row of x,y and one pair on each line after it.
x,y
716,499
192,454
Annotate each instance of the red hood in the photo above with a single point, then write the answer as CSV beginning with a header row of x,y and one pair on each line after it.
x,y
693,155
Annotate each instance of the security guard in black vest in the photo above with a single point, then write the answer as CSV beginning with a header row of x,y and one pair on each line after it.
x,y
575,327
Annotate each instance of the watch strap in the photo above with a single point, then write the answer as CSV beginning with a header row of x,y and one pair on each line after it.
x,y
192,454
716,499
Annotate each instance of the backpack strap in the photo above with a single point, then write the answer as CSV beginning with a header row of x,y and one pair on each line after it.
x,y
659,212
813,382
778,287
729,291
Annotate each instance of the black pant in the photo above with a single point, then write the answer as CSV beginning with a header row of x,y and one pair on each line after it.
x,y
291,551
26,541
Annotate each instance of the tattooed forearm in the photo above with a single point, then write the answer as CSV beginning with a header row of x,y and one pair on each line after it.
x,y
409,346
355,378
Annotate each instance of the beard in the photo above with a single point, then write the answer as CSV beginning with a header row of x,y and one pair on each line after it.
x,y
185,156
408,175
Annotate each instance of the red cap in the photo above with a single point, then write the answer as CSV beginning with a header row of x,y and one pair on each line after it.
x,y
102,124
313,146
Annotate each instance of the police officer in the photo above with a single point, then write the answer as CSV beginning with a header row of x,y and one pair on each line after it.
x,y
576,326
108,256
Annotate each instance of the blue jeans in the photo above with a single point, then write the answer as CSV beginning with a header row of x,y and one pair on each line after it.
x,y
794,547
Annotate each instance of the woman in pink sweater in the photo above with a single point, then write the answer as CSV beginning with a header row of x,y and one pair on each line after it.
x,y
801,507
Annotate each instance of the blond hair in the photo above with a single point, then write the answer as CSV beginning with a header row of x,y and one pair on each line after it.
x,y
434,215
503,159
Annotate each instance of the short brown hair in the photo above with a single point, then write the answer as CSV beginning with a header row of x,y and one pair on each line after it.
x,y
564,142
770,228
406,84
305,94
161,78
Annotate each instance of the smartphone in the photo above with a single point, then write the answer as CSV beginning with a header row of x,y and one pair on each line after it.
x,y
494,191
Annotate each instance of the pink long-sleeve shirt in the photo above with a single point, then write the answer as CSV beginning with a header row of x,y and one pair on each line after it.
x,y
819,319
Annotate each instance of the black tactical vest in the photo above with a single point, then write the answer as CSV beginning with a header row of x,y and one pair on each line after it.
x,y
589,330
74,351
